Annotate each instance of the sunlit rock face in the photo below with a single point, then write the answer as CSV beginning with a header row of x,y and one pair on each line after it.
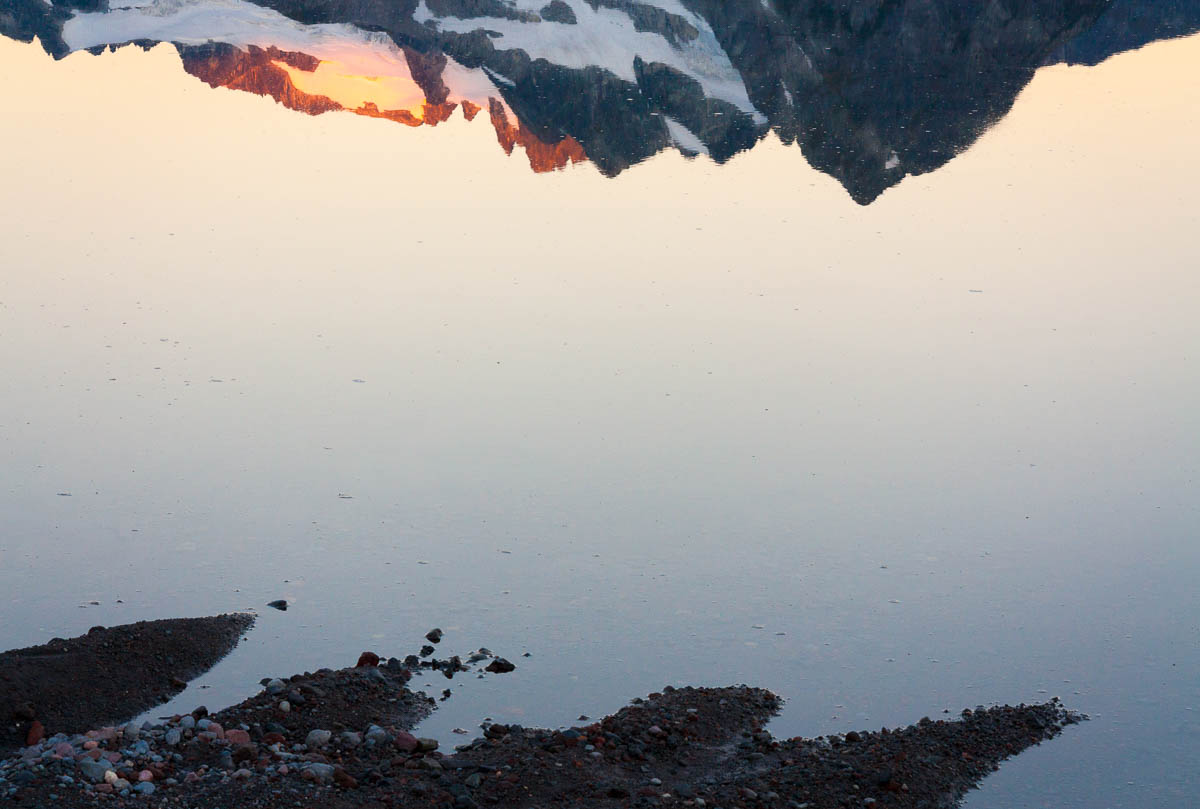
x,y
543,156
869,91
256,70
307,84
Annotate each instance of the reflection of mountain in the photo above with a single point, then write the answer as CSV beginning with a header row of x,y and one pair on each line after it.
x,y
1130,24
870,90
272,72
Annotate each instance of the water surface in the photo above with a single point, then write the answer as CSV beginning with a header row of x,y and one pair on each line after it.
x,y
699,422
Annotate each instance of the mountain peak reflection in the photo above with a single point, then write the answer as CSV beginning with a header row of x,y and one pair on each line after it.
x,y
869,92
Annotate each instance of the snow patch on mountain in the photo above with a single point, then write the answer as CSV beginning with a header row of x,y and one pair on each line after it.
x,y
684,138
241,24
607,38
195,22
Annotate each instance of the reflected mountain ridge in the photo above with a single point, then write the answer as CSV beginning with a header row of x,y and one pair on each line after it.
x,y
870,91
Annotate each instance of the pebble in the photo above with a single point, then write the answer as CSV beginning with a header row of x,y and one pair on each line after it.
x,y
93,770
405,742
237,737
318,738
344,779
275,686
144,788
315,771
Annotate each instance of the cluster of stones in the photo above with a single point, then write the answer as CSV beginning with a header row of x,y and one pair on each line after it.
x,y
125,760
139,759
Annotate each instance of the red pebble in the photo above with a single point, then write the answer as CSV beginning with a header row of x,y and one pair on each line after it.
x,y
405,741
36,734
237,737
367,660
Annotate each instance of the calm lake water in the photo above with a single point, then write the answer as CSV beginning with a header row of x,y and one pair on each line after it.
x,y
909,431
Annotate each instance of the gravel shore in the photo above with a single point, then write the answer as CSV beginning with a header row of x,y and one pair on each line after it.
x,y
342,740
107,674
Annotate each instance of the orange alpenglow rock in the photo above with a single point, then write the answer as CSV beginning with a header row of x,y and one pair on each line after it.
x,y
254,71
543,156
405,117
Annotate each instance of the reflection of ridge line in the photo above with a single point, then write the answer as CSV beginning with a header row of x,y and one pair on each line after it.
x,y
900,87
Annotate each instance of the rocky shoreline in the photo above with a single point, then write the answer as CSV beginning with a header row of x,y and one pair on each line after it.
x,y
342,739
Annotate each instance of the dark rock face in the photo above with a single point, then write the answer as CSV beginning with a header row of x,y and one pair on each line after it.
x,y
874,91
870,90
23,20
558,11
1130,24
652,19
471,9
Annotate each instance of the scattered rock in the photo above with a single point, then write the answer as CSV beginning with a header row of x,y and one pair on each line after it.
x,y
500,666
